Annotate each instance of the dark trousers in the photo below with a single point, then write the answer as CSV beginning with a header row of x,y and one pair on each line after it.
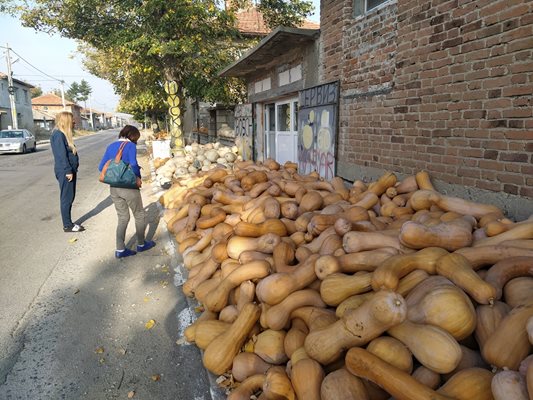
x,y
66,198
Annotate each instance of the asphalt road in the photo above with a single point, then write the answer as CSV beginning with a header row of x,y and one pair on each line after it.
x,y
73,318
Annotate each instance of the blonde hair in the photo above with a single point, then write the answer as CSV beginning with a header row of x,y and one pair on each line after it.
x,y
64,121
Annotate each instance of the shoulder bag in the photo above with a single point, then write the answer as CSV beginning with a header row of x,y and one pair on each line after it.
x,y
117,173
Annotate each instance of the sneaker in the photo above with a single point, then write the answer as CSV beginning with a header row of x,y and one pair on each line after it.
x,y
146,246
124,253
74,228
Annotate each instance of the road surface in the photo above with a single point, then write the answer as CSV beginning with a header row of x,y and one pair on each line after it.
x,y
73,318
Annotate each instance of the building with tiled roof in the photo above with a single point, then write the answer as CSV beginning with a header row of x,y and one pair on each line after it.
x,y
52,104
250,22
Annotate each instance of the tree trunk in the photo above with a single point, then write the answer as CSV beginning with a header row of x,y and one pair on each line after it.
x,y
174,100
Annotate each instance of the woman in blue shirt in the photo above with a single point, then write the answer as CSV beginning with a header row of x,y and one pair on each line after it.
x,y
66,164
126,199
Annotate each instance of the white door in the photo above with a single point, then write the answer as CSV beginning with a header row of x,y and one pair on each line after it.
x,y
286,147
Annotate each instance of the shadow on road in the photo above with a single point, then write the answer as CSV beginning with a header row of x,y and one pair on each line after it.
x,y
95,211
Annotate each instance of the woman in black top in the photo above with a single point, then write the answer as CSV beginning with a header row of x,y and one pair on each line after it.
x,y
66,164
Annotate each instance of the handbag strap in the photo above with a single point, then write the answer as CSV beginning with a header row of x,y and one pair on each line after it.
x,y
118,157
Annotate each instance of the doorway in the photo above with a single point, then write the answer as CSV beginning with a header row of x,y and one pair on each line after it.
x,y
281,130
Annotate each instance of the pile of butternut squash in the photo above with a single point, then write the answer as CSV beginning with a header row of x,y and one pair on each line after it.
x,y
316,290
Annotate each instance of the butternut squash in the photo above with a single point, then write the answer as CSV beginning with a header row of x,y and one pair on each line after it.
x,y
470,359
467,384
247,388
451,235
278,315
207,270
265,244
490,255
423,181
393,351
320,222
223,197
517,232
432,346
252,178
248,364
277,385
218,298
353,262
509,344
488,319
337,287
311,201
295,336
269,346
456,268
389,273
314,317
354,242
424,199
508,385
247,229
219,354
427,377
357,327
207,331
190,331
447,307
505,270
276,287
406,185
340,384
397,383
306,377
518,291
289,209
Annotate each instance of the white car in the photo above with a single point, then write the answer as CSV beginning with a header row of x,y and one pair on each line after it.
x,y
17,141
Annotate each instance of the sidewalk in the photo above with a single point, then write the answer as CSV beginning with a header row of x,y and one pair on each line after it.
x,y
102,328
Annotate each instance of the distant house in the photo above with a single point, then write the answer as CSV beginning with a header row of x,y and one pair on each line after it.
x,y
22,104
43,119
52,104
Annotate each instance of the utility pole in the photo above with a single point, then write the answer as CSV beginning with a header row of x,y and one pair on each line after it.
x,y
63,95
11,90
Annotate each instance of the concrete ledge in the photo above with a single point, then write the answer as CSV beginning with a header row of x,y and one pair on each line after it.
x,y
515,207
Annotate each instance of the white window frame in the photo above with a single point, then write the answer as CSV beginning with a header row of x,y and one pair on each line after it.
x,y
363,4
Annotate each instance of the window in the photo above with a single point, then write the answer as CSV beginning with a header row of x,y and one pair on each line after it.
x,y
25,96
361,7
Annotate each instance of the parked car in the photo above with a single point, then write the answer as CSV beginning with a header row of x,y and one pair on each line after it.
x,y
17,141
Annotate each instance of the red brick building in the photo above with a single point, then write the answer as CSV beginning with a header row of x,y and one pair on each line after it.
x,y
53,104
442,85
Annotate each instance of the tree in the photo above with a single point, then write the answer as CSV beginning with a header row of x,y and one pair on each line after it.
x,y
182,41
36,92
79,92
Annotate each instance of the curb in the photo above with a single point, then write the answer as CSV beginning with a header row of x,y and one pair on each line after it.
x,y
181,272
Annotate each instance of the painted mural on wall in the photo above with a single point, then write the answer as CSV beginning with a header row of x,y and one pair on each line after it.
x,y
317,129
244,127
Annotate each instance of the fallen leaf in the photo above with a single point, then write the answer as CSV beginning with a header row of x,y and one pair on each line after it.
x,y
164,283
122,351
156,377
150,324
249,346
101,360
165,268
72,240
199,309
131,394
76,291
146,299
99,350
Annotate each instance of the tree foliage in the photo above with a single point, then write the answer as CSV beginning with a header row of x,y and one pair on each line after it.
x,y
79,92
36,91
138,44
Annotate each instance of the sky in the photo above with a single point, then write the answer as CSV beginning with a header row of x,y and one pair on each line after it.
x,y
57,57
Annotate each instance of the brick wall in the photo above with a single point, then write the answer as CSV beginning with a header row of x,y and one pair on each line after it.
x,y
445,86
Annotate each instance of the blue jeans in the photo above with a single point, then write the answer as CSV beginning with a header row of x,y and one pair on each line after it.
x,y
66,198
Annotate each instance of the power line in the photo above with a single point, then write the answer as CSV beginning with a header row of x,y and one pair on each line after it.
x,y
34,67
